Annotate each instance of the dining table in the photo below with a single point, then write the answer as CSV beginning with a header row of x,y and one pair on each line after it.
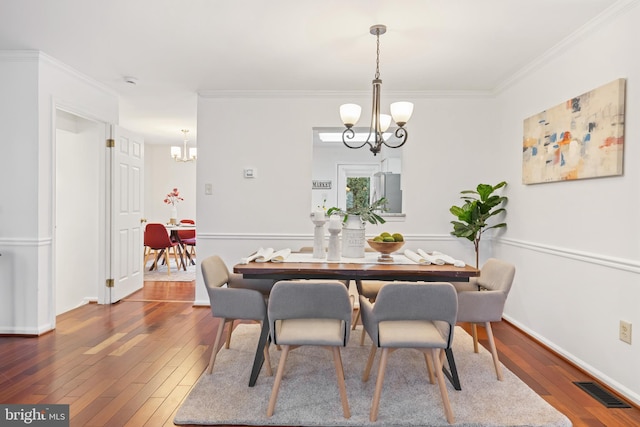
x,y
173,230
299,266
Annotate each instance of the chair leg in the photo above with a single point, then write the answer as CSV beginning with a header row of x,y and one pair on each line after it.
x,y
474,334
267,360
367,368
362,335
494,351
337,361
435,355
356,318
228,342
278,379
216,342
430,368
373,414
165,254
175,257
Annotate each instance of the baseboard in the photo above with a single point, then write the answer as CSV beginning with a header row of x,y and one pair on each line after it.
x,y
588,370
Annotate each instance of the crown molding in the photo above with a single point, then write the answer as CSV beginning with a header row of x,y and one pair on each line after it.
x,y
405,94
572,39
37,55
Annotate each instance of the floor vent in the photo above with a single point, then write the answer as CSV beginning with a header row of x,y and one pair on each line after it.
x,y
602,395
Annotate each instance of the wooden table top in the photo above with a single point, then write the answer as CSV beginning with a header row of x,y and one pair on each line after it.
x,y
325,270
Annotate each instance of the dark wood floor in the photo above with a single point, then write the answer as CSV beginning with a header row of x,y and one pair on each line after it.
x,y
132,363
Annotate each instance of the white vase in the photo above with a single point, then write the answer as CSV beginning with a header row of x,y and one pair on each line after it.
x,y
173,219
353,238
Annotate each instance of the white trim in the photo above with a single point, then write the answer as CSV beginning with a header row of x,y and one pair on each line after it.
x,y
9,330
584,31
26,241
273,94
591,258
36,55
625,391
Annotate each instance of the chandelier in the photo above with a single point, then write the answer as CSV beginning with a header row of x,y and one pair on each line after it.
x,y
401,112
181,155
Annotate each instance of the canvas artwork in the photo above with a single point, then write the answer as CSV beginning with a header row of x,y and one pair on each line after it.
x,y
580,138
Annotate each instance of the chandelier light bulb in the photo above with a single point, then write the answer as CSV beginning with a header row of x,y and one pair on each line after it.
x,y
401,112
350,114
385,122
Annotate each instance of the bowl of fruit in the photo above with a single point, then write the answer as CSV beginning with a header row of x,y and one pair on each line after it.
x,y
386,243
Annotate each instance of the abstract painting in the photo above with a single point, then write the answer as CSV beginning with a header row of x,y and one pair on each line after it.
x,y
580,138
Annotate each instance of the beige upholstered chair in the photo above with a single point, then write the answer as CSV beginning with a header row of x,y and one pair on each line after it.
x,y
231,303
481,301
316,313
420,316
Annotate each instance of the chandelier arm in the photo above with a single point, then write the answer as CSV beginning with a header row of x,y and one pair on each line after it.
x,y
349,134
400,133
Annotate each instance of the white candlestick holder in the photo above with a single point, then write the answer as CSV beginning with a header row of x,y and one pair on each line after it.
x,y
334,241
318,236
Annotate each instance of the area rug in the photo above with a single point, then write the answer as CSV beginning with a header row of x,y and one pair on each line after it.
x,y
309,395
177,275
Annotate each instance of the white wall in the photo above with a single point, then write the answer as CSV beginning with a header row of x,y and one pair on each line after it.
x,y
78,194
161,175
448,151
575,243
32,86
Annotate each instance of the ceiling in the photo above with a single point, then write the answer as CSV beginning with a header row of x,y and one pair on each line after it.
x,y
176,48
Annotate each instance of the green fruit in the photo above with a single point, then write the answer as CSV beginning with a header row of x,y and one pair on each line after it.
x,y
378,239
398,237
385,234
389,239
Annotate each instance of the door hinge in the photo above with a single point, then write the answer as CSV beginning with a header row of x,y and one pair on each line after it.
x,y
109,283
111,143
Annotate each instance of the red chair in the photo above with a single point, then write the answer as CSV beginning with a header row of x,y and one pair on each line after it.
x,y
188,240
156,238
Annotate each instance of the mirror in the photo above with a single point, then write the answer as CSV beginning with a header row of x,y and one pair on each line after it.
x,y
338,172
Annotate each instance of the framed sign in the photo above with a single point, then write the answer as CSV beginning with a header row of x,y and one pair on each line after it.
x,y
321,185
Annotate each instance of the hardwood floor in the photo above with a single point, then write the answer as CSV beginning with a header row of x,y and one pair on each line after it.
x,y
132,363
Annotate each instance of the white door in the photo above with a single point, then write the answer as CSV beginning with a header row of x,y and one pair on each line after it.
x,y
126,208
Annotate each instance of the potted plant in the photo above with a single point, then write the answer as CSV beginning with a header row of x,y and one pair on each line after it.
x,y
353,231
480,205
365,212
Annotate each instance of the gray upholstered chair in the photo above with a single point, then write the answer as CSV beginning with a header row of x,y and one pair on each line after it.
x,y
231,302
369,289
316,313
482,299
420,316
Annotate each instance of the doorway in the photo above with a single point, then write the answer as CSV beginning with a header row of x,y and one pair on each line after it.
x,y
79,211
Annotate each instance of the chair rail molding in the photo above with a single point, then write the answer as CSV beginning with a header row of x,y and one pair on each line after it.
x,y
309,236
28,241
588,257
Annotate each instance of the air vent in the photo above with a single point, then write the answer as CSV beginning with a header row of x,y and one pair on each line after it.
x,y
602,395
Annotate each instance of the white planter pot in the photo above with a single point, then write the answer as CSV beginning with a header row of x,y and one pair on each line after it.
x,y
353,239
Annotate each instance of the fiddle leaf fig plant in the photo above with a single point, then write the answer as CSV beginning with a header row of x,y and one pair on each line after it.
x,y
479,206
367,213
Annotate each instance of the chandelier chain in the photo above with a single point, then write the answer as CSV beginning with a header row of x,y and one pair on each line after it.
x,y
377,75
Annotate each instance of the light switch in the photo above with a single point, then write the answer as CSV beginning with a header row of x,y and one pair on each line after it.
x,y
208,189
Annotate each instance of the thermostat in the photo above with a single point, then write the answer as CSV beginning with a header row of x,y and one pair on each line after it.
x,y
249,173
